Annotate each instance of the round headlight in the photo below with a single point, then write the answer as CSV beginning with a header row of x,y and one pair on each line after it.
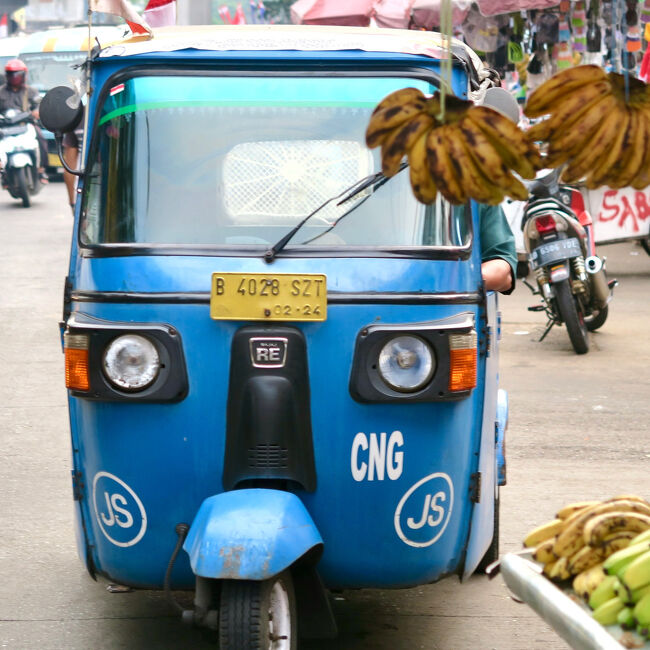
x,y
131,362
406,363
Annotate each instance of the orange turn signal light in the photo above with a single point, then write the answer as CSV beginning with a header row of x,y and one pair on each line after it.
x,y
77,376
462,362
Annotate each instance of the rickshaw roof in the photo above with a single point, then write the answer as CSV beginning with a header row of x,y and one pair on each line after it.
x,y
71,39
306,38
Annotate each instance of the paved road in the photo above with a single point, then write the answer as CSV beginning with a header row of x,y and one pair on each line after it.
x,y
578,429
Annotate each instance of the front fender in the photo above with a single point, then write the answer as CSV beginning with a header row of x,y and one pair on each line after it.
x,y
251,534
20,160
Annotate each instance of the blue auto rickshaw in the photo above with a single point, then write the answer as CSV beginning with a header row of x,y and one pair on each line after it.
x,y
282,368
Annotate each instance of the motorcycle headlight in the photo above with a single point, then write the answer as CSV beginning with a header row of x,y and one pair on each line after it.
x,y
131,362
406,363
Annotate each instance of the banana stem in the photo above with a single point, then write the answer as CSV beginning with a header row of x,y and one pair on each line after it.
x,y
445,67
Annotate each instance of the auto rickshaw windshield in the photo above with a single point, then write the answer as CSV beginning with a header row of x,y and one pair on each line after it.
x,y
237,161
50,69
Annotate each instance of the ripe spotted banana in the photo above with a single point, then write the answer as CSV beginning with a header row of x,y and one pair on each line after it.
x,y
543,533
544,552
598,527
422,184
571,539
506,138
558,86
604,163
399,97
383,122
586,582
442,167
400,141
572,508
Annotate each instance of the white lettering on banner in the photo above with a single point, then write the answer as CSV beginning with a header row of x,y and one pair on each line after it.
x,y
382,458
119,512
424,511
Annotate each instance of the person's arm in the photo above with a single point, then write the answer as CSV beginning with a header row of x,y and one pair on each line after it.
x,y
497,275
34,100
498,253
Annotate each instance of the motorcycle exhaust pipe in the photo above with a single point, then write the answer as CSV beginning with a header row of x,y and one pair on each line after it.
x,y
599,288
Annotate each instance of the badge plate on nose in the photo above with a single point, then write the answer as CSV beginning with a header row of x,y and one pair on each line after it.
x,y
268,352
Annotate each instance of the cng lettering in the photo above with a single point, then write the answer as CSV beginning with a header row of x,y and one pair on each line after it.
x,y
377,456
118,510
423,512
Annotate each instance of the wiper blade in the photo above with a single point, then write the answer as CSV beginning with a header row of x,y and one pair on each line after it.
x,y
373,181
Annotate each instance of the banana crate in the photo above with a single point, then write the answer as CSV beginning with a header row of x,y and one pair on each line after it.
x,y
562,609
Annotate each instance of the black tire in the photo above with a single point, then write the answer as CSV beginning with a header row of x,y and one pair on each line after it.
x,y
646,244
246,614
571,315
492,554
20,176
597,319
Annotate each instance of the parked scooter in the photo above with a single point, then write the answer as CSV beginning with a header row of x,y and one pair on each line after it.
x,y
19,154
559,241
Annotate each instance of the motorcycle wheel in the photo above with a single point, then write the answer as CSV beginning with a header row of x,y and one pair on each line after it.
x,y
20,175
597,319
571,314
258,615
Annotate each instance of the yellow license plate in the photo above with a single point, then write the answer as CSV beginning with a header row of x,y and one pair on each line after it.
x,y
53,160
269,296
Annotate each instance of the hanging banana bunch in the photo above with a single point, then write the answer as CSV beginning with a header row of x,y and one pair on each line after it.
x,y
470,153
598,124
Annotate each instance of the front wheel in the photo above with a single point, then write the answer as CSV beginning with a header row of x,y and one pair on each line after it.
x,y
258,615
22,191
571,314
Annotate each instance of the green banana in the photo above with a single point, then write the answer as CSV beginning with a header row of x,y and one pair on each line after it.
x,y
641,537
603,592
607,613
642,611
626,618
637,573
618,561
630,597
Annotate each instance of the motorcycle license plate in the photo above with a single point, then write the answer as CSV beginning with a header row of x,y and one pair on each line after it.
x,y
269,296
556,251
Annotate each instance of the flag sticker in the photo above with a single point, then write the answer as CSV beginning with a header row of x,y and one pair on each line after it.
x,y
117,89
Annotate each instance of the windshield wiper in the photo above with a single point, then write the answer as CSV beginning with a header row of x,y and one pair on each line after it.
x,y
373,181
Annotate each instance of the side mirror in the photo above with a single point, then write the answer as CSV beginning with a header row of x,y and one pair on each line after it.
x,y
61,110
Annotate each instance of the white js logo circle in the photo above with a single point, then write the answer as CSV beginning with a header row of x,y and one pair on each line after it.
x,y
423,512
119,512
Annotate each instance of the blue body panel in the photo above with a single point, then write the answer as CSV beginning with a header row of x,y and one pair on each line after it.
x,y
249,535
148,467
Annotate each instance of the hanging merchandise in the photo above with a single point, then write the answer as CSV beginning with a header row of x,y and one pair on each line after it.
x,y
495,7
633,39
598,125
548,28
594,37
579,27
481,33
563,55
645,12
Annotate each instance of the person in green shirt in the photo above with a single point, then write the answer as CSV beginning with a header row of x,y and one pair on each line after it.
x,y
498,253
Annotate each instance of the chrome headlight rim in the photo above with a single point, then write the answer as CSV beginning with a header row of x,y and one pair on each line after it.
x,y
150,377
430,363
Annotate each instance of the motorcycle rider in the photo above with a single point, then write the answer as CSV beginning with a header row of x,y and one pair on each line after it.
x,y
15,93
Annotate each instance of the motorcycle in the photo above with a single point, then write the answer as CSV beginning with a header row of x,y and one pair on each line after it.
x,y
19,155
559,241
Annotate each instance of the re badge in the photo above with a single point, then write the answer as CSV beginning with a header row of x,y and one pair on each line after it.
x,y
268,352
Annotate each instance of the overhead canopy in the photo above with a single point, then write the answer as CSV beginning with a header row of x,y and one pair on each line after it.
x,y
355,13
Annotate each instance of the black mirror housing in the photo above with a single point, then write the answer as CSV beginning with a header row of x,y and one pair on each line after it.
x,y
61,110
